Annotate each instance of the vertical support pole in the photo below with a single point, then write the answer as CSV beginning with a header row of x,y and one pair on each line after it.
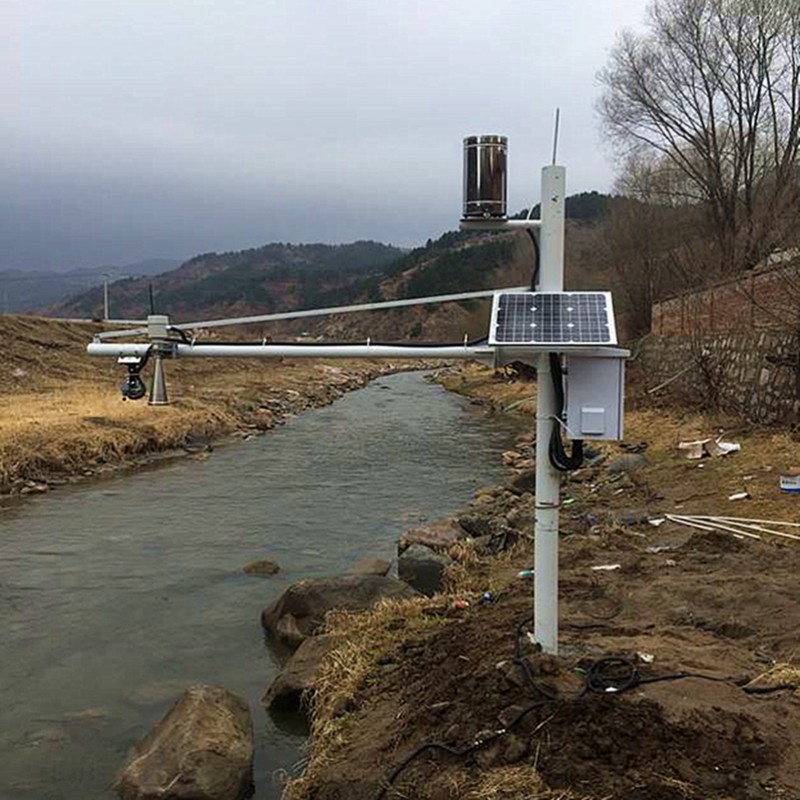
x,y
105,299
548,479
158,389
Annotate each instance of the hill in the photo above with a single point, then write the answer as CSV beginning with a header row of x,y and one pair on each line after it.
x,y
22,290
280,277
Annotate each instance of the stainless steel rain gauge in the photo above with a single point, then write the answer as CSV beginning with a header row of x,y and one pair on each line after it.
x,y
568,336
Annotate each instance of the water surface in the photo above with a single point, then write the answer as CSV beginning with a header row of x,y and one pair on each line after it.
x,y
116,595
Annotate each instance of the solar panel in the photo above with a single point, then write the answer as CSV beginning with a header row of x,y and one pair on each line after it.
x,y
565,318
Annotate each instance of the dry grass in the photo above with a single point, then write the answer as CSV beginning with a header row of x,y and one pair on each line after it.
x,y
782,674
765,453
61,412
347,668
79,427
508,783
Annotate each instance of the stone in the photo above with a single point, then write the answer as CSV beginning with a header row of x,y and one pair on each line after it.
x,y
202,749
628,462
195,443
631,516
439,535
300,611
475,525
299,674
264,567
371,566
522,482
423,568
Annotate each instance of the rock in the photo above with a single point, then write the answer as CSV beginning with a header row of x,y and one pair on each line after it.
x,y
438,535
629,462
32,487
423,568
202,749
522,482
298,675
475,525
519,517
631,516
300,611
53,738
195,443
264,567
153,694
371,566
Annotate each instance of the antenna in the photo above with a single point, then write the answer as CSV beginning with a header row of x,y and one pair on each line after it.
x,y
152,301
555,135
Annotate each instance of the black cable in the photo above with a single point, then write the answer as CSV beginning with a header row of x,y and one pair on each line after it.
x,y
558,455
182,333
536,260
605,676
417,345
454,751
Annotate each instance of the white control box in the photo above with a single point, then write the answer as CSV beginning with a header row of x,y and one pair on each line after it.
x,y
595,395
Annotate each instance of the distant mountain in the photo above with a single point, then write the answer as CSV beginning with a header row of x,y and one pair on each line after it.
x,y
284,277
23,291
269,278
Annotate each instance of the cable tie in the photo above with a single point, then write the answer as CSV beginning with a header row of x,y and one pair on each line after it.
x,y
564,425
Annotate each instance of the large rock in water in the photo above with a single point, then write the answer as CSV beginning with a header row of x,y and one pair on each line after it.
x,y
201,750
300,611
299,674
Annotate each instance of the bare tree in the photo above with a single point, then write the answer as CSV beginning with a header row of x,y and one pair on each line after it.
x,y
713,87
653,241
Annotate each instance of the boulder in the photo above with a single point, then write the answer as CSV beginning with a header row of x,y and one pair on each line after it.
x,y
300,611
423,568
522,482
264,567
437,536
298,675
371,566
202,749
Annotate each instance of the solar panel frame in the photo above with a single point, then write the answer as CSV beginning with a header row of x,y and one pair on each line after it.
x,y
552,320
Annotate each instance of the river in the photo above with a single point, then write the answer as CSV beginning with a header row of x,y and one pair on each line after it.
x,y
116,594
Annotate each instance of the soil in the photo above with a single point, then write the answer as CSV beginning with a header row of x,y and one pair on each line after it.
x,y
723,609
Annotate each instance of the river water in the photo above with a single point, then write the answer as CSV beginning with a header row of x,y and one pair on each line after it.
x,y
117,594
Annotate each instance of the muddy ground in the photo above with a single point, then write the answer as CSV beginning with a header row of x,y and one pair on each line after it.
x,y
724,610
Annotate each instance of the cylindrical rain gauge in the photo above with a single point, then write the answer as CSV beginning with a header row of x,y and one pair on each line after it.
x,y
485,177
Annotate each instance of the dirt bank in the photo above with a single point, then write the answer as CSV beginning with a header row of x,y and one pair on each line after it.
x,y
708,610
62,417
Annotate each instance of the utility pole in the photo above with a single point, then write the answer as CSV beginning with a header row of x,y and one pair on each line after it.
x,y
106,276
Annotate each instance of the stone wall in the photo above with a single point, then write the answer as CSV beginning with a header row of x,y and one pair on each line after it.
x,y
752,373
763,299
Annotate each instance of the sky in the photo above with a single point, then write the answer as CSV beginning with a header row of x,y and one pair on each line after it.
x,y
134,129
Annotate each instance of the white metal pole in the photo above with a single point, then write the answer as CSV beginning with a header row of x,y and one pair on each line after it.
x,y
476,352
548,480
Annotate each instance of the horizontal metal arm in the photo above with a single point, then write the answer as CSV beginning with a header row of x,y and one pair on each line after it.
x,y
319,312
478,353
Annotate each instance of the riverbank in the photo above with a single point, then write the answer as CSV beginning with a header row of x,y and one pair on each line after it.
x,y
62,418
711,618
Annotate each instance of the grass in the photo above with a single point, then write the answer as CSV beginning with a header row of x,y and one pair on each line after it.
x,y
61,412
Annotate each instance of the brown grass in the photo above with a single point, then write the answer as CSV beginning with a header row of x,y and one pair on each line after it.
x,y
61,412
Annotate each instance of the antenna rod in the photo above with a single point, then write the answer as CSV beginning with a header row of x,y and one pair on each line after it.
x,y
555,135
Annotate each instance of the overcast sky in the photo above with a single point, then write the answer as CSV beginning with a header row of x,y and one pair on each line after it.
x,y
146,128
